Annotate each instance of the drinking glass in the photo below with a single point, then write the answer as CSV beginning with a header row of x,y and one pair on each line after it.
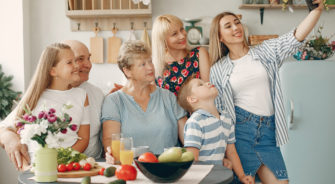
x,y
115,145
126,152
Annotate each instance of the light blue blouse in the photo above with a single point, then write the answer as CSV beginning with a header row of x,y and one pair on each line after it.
x,y
157,127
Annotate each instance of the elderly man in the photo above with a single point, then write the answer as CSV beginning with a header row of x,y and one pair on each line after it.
x,y
10,141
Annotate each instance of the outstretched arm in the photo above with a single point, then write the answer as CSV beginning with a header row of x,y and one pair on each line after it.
x,y
306,26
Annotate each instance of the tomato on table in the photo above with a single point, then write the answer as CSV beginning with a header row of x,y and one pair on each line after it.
x,y
101,172
126,172
87,167
61,168
76,166
69,167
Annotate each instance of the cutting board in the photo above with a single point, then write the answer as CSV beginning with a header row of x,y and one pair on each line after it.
x,y
79,173
96,47
114,44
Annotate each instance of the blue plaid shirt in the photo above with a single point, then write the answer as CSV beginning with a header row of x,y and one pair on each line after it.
x,y
271,53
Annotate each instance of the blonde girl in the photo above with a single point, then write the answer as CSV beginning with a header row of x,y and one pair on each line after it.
x,y
50,87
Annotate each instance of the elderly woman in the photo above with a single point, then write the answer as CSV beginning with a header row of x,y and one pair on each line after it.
x,y
141,110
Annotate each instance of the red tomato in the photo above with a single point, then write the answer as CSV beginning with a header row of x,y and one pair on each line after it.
x,y
69,167
87,167
101,172
147,157
61,168
76,166
126,172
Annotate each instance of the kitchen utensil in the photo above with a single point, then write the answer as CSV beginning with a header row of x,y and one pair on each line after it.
x,y
114,44
96,47
145,37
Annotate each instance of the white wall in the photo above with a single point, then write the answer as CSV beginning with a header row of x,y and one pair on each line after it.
x,y
49,24
11,59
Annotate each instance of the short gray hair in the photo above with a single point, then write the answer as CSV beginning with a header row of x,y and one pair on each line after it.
x,y
128,51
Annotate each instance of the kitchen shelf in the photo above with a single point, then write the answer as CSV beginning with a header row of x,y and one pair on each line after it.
x,y
276,6
86,15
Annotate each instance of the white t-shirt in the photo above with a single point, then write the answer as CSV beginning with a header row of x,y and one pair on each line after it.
x,y
95,97
251,86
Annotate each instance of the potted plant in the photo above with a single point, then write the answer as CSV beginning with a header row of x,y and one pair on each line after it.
x,y
317,48
7,95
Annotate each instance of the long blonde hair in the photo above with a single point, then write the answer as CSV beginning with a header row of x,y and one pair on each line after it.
x,y
217,49
160,28
42,78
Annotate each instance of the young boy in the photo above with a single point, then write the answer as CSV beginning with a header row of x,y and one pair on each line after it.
x,y
208,134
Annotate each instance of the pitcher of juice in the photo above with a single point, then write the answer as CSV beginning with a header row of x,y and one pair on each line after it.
x,y
126,152
115,145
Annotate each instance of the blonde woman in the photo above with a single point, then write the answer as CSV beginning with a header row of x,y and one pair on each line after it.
x,y
50,88
173,61
249,90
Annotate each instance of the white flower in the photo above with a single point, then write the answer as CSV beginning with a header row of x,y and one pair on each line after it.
x,y
43,126
29,131
52,140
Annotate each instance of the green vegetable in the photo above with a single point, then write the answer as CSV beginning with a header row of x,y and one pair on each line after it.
x,y
86,180
68,155
110,171
120,181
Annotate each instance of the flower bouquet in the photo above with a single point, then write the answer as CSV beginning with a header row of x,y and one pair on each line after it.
x,y
317,48
44,129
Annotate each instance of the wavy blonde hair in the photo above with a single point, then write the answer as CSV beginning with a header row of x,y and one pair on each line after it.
x,y
42,78
160,28
217,49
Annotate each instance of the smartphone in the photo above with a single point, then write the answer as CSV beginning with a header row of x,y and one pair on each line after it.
x,y
310,5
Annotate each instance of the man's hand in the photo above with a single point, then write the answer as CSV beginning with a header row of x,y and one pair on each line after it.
x,y
17,152
116,88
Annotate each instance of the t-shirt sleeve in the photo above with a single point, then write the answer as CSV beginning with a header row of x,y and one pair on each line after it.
x,y
110,108
192,134
9,121
231,137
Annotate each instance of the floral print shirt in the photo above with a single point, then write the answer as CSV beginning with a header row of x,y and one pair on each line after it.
x,y
175,73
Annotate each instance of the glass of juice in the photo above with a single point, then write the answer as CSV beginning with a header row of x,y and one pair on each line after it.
x,y
115,145
126,152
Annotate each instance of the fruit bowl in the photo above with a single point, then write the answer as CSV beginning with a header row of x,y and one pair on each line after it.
x,y
165,172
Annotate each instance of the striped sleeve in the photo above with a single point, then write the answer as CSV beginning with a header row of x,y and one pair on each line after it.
x,y
231,138
282,47
214,76
192,135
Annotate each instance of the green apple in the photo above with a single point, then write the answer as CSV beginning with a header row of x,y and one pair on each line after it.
x,y
187,156
170,155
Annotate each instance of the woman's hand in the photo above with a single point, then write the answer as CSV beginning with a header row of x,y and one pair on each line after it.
x,y
227,163
247,179
319,3
109,158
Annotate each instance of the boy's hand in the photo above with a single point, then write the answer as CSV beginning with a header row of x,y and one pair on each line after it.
x,y
247,179
227,163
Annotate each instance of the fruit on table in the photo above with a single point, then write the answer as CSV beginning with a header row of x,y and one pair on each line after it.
x,y
76,166
87,167
109,171
61,168
86,180
171,155
101,172
126,172
187,156
118,182
69,167
148,157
